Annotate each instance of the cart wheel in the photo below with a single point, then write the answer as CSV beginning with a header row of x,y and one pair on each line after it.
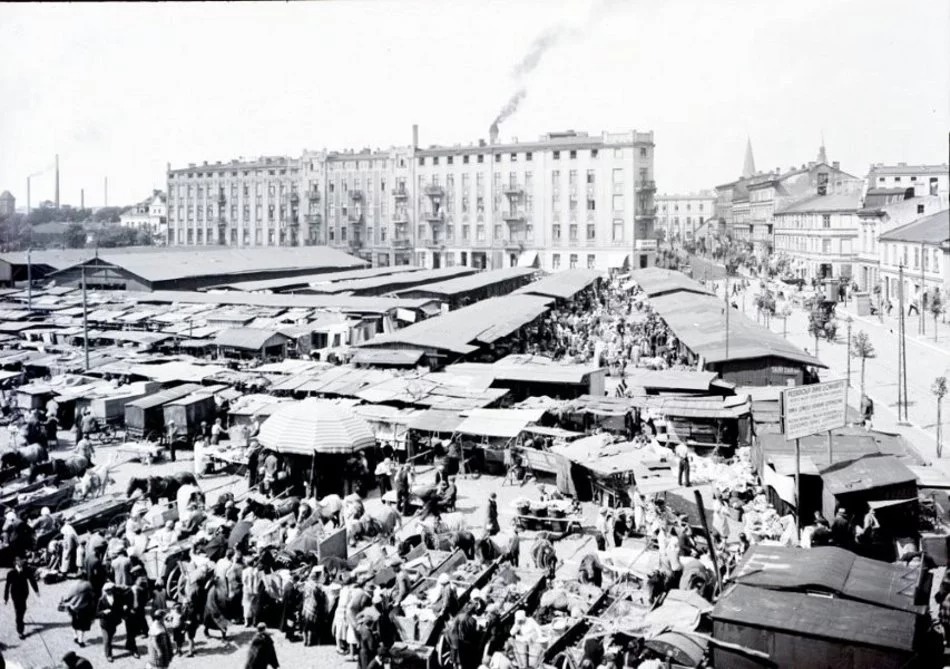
x,y
173,582
444,652
117,523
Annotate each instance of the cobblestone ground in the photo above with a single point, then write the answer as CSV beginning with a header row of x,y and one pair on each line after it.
x,y
49,635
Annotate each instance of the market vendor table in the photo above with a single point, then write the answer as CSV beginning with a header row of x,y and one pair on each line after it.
x,y
144,451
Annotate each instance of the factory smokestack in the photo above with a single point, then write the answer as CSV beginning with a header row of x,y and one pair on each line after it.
x,y
57,181
105,191
28,196
415,136
493,133
82,198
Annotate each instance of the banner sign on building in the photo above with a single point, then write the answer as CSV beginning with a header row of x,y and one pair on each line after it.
x,y
815,408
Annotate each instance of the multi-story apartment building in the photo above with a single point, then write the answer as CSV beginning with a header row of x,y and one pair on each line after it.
x,y
919,253
681,216
818,234
7,203
923,179
565,200
150,215
239,203
883,210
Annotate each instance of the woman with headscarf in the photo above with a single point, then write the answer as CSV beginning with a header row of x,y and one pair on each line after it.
x,y
80,603
70,545
215,608
250,592
313,607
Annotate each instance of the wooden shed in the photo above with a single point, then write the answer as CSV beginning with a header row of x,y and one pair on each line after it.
x,y
249,343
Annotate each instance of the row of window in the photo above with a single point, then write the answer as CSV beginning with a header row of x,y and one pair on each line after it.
x,y
900,254
676,207
513,157
234,173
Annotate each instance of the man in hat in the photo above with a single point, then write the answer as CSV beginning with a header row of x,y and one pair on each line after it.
x,y
262,654
402,586
446,601
491,515
171,439
111,612
73,661
841,529
19,581
314,607
122,569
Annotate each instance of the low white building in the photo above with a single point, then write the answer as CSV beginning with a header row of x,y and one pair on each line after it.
x,y
922,179
918,252
150,215
818,234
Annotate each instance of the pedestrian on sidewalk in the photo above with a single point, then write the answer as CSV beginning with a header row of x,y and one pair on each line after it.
x,y
682,455
19,581
867,411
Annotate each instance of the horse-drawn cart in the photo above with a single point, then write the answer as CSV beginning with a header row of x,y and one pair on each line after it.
x,y
166,568
107,512
552,515
28,500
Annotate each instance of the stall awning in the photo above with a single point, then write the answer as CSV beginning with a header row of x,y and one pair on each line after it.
x,y
498,422
618,260
435,420
528,259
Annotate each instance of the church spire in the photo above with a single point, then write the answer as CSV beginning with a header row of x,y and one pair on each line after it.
x,y
748,168
822,156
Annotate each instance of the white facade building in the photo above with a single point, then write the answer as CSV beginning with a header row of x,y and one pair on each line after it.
x,y
150,215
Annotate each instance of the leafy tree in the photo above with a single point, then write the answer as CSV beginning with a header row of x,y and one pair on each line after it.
x,y
75,236
112,236
861,347
939,389
107,214
936,308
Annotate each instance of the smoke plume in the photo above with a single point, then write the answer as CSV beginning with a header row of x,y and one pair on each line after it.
x,y
538,48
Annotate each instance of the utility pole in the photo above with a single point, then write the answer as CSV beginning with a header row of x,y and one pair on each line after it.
x,y
922,327
849,321
29,277
901,350
85,320
728,309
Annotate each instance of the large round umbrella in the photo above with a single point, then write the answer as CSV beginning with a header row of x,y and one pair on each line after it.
x,y
315,426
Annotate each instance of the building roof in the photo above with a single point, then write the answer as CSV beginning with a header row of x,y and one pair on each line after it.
x,y
6,194
932,229
388,357
469,283
656,281
366,305
564,285
823,203
832,570
524,368
866,473
838,620
463,330
306,280
882,170
385,281
248,339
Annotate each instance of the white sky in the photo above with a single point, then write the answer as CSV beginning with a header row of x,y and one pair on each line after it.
x,y
120,90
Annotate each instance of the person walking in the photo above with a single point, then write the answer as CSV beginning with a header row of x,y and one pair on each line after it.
x,y
111,612
19,581
262,654
314,607
171,439
491,515
80,603
384,475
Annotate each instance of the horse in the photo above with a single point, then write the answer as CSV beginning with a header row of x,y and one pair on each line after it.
x,y
61,469
449,541
271,510
21,458
95,480
353,508
382,522
448,522
329,508
156,487
488,550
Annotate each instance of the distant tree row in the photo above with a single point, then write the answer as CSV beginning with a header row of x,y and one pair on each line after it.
x,y
85,228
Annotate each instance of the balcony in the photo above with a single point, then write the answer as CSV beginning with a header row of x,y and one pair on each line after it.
x,y
400,193
313,219
647,185
436,244
435,191
400,217
513,190
219,198
513,217
355,218
435,217
645,245
313,195
294,197
402,244
356,195
513,244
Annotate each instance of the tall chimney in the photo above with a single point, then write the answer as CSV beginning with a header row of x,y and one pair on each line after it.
x,y
28,196
415,136
82,198
105,191
493,134
57,181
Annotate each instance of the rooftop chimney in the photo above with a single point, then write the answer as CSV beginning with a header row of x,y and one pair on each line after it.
x,y
836,164
493,134
415,136
82,198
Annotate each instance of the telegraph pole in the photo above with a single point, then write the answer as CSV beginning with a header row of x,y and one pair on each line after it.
x,y
29,279
85,320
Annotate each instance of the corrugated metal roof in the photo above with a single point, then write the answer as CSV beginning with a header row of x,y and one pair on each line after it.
x,y
165,396
528,369
469,283
839,620
564,284
383,356
866,473
823,203
436,420
288,283
248,339
670,379
833,570
369,305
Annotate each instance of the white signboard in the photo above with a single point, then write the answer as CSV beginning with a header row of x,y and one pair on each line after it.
x,y
815,408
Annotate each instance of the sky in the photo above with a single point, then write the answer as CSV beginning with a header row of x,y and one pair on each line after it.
x,y
122,90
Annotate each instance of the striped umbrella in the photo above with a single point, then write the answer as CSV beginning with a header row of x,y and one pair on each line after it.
x,y
315,426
